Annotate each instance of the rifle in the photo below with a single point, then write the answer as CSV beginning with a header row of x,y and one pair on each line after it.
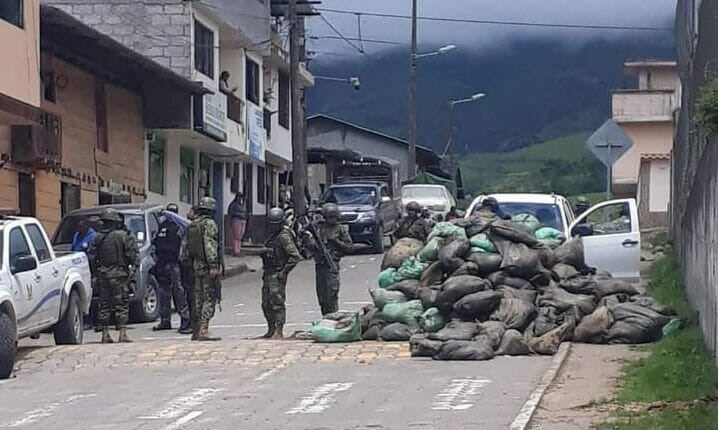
x,y
319,243
217,282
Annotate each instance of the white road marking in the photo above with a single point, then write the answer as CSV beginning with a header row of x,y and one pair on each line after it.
x,y
459,394
270,372
238,305
353,266
248,314
45,411
184,420
320,398
182,404
357,303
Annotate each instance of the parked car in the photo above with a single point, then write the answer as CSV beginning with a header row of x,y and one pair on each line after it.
x,y
142,221
368,209
611,231
41,289
435,198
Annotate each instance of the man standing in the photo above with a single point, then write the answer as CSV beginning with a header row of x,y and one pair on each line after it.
x,y
82,239
413,225
167,249
582,205
238,217
113,256
202,251
279,257
338,243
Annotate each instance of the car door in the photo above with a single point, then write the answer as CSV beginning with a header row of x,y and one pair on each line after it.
x,y
27,282
48,272
612,237
389,210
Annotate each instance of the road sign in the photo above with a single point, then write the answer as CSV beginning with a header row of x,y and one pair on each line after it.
x,y
609,143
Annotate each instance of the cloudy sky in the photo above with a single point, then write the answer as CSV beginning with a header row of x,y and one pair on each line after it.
x,y
643,13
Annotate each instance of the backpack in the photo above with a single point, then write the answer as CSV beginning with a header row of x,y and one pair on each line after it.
x,y
195,241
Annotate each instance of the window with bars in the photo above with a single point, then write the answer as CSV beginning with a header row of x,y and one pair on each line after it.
x,y
203,49
284,98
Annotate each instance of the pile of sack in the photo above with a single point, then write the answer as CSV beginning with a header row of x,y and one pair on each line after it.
x,y
479,288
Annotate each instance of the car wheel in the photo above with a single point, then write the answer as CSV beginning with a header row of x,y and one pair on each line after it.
x,y
378,242
8,345
69,330
147,309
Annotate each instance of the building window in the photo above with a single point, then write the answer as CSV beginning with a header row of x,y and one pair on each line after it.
x,y
261,181
69,197
203,49
253,89
49,90
187,180
271,201
284,100
157,166
26,193
11,11
101,116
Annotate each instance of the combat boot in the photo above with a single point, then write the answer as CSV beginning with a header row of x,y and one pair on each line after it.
x,y
106,338
123,336
205,336
163,325
278,331
268,334
185,327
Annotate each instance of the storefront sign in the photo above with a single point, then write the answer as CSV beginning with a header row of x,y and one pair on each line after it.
x,y
257,134
211,119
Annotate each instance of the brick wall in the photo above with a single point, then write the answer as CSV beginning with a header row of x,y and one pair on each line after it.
x,y
158,29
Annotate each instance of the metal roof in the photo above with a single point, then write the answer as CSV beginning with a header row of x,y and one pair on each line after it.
x,y
126,208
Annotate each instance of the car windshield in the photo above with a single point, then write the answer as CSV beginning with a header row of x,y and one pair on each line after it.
x,y
134,223
422,193
350,196
548,214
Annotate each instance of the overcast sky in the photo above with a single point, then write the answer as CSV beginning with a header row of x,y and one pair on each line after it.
x,y
644,13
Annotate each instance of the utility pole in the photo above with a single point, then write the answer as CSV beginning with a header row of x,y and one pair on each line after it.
x,y
299,165
412,95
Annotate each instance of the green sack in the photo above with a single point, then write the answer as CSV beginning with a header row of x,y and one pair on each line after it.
x,y
673,326
406,313
528,220
483,242
448,230
477,251
330,331
550,237
410,269
383,297
430,252
386,277
432,320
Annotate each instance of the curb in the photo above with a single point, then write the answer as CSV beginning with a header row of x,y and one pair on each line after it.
x,y
523,419
235,270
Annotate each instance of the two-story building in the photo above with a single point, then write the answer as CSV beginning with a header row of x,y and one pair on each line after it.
x,y
646,114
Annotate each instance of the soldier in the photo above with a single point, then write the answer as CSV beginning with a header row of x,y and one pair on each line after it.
x,y
113,255
280,256
490,209
582,205
413,225
167,249
202,253
338,243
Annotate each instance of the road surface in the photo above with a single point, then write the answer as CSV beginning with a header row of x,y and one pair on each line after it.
x,y
164,381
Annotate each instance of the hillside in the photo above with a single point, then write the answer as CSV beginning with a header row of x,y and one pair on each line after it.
x,y
563,166
537,90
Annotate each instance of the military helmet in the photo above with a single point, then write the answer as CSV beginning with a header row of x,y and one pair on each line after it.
x,y
110,214
583,201
172,207
275,216
330,210
207,203
413,206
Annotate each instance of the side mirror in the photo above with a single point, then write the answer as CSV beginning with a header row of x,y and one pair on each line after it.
x,y
386,199
583,230
24,263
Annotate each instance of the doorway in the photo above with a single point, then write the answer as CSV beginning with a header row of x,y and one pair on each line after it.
x,y
26,193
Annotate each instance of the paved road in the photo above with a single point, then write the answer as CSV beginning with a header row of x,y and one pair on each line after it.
x,y
167,382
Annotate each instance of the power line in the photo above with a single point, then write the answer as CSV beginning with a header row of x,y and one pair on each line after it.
x,y
339,33
495,22
386,42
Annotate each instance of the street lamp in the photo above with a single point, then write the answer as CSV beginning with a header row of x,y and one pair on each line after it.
x,y
440,51
354,80
452,103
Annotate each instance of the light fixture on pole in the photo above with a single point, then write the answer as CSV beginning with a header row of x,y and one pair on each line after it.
x,y
452,103
354,80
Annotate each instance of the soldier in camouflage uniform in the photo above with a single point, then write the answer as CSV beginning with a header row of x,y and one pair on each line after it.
x,y
201,253
279,257
413,225
338,243
113,256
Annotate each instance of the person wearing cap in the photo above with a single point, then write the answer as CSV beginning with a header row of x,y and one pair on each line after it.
x,y
167,245
279,257
413,225
490,209
582,205
113,261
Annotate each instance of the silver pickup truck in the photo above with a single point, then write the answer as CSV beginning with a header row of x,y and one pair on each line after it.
x,y
41,290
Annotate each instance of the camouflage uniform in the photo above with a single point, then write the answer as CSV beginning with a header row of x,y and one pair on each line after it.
x,y
281,256
338,243
415,228
203,257
112,253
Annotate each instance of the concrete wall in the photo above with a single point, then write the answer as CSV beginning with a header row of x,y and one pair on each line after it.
x,y
658,79
20,49
158,29
653,193
648,138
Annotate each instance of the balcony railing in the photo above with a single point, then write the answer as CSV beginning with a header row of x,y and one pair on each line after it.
x,y
235,109
643,106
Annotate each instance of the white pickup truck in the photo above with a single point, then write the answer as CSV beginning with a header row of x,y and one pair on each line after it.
x,y
610,230
40,290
